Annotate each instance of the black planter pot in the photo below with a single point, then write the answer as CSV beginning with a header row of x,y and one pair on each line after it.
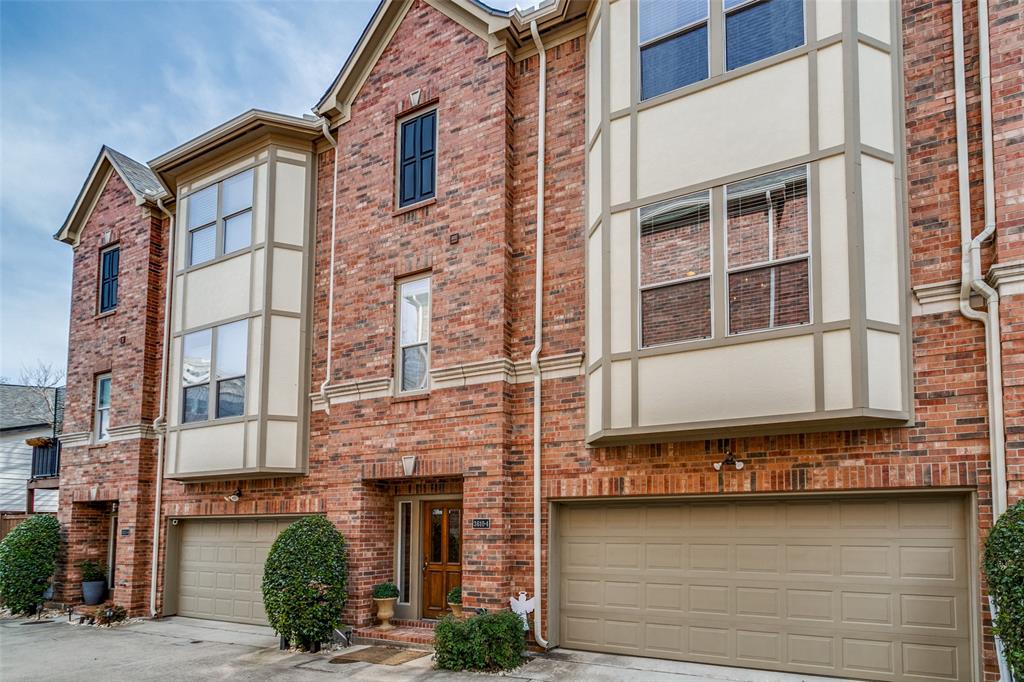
x,y
94,591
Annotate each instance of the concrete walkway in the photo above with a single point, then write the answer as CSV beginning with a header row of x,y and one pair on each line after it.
x,y
190,649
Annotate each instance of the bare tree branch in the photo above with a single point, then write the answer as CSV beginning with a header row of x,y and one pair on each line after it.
x,y
44,380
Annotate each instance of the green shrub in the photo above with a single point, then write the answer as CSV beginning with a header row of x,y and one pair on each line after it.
x,y
455,595
91,571
304,581
28,557
488,641
385,591
1004,568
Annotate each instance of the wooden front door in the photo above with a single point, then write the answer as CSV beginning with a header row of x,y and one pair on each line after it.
x,y
442,554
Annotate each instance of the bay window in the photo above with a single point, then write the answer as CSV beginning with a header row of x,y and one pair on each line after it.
x,y
220,218
217,355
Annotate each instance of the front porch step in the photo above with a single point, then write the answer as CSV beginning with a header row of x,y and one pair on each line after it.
x,y
405,634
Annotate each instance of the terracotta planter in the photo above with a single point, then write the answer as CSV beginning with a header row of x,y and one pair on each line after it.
x,y
385,612
456,610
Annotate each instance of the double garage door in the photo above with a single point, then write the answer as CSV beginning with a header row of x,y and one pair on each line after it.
x,y
221,567
870,588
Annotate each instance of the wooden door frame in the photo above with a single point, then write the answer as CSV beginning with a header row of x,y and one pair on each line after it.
x,y
413,610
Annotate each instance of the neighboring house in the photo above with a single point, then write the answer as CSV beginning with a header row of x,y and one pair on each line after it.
x,y
770,429
29,470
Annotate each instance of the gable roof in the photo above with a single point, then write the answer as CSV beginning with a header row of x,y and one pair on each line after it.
x,y
26,406
140,180
503,31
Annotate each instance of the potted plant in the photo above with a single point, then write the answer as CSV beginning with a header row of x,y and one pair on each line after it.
x,y
94,582
455,601
384,596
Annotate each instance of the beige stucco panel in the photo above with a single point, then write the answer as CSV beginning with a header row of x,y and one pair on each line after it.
x,y
287,281
875,71
217,292
744,123
837,369
281,443
289,204
594,88
835,264
757,379
830,97
595,396
253,366
252,434
222,172
885,390
874,18
620,310
829,17
622,380
594,181
259,205
283,368
620,165
881,244
174,382
178,302
595,316
211,448
258,273
619,60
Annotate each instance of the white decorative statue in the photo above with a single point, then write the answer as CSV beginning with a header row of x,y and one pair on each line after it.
x,y
522,606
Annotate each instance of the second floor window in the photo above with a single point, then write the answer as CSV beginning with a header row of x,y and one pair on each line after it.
x,y
102,420
214,366
413,361
109,265
220,218
417,143
676,37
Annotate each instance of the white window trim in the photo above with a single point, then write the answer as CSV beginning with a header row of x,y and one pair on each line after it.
x,y
398,332
98,411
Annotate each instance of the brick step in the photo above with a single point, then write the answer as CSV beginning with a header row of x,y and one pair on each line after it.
x,y
402,635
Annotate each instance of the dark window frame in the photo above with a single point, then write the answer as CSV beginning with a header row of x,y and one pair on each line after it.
x,y
410,158
213,382
108,281
220,221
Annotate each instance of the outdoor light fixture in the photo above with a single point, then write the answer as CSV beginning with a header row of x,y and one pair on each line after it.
x,y
730,460
409,464
235,496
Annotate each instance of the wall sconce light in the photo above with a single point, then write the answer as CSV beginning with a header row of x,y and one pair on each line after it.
x,y
730,460
235,496
409,464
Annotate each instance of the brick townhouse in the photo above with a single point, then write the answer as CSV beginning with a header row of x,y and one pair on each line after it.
x,y
701,323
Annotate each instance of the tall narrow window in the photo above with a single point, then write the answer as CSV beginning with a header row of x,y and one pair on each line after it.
x,y
404,551
416,159
214,359
103,407
756,29
767,236
220,218
673,38
109,265
413,334
675,270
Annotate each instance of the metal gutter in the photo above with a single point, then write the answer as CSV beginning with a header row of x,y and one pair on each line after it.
x,y
330,274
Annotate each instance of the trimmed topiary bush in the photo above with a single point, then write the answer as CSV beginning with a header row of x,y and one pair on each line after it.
x,y
488,641
28,558
385,591
1004,569
304,581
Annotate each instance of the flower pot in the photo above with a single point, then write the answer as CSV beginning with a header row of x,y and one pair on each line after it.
x,y
94,591
385,612
48,594
456,610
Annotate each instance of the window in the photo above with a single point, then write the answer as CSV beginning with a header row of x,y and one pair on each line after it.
x,y
767,250
216,355
416,158
675,36
220,218
413,334
404,552
109,263
102,407
758,29
675,270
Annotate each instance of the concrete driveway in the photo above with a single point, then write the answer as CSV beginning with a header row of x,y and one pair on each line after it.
x,y
190,649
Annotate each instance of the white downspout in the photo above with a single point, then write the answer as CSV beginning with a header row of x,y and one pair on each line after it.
x,y
970,262
538,329
158,423
330,295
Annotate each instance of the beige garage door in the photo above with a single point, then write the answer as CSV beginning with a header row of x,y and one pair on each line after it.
x,y
222,568
869,588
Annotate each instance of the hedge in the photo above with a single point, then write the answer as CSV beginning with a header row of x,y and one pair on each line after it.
x,y
304,581
1004,569
28,558
488,641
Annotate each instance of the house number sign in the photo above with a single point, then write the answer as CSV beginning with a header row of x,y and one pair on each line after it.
x,y
481,523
